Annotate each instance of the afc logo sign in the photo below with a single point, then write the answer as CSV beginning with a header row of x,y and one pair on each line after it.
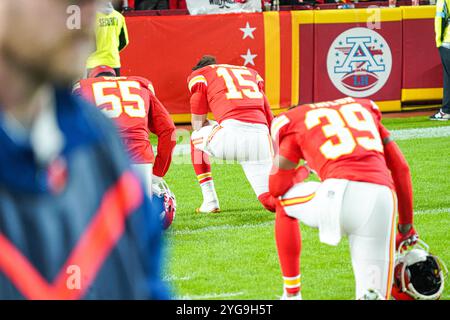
x,y
359,62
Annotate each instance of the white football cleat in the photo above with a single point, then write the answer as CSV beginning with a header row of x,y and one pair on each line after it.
x,y
372,294
295,297
209,207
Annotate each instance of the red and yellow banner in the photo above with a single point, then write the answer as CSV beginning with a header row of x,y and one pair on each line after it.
x,y
422,69
387,55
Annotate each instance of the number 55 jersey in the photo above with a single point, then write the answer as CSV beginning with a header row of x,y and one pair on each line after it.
x,y
341,139
132,104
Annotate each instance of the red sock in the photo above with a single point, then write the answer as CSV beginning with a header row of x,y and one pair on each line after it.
x,y
202,167
267,201
288,239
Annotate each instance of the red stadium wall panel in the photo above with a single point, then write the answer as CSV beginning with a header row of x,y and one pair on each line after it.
x,y
387,55
422,69
359,53
165,48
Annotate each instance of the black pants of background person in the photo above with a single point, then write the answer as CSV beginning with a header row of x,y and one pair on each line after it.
x,y
445,58
152,4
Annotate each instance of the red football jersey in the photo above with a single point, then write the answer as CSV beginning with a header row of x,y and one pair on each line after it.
x,y
132,104
340,139
229,92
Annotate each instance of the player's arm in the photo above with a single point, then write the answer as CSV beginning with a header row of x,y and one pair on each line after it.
x,y
199,106
162,125
284,172
267,109
401,175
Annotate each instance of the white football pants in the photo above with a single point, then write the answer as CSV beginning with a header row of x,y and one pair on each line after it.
x,y
144,171
249,144
365,212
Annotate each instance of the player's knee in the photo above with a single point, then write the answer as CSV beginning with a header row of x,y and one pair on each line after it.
x,y
267,201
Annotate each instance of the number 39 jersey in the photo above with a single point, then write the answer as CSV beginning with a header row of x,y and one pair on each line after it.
x,y
232,92
340,139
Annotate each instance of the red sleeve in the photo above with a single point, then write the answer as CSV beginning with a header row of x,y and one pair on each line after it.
x,y
280,181
396,162
162,125
199,100
267,111
288,148
384,133
399,168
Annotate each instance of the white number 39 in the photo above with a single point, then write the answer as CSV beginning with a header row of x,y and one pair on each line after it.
x,y
339,128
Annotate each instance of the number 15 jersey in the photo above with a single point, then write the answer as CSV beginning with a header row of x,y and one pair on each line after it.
x,y
229,92
341,139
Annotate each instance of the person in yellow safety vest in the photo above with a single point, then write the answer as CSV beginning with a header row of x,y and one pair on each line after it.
x,y
441,27
111,38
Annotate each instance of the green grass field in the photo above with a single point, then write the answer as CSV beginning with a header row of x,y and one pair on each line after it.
x,y
232,255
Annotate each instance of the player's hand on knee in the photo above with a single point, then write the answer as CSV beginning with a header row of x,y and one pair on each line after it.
x,y
406,236
159,185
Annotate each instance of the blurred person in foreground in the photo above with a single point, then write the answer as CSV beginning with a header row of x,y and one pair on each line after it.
x,y
74,220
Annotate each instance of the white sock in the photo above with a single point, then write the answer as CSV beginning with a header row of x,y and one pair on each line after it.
x,y
209,192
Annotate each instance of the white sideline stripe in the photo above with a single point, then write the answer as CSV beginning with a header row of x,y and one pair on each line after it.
x,y
433,211
212,296
269,223
402,134
431,132
223,227
175,278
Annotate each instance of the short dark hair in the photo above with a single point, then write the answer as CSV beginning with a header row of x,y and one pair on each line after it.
x,y
105,74
205,61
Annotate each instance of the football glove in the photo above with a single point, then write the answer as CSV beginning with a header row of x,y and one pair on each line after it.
x,y
406,239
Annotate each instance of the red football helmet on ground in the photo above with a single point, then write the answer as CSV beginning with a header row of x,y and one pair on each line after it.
x,y
165,201
418,274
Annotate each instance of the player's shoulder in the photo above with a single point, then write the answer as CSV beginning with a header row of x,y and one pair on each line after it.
x,y
370,105
199,76
201,71
286,122
144,82
366,103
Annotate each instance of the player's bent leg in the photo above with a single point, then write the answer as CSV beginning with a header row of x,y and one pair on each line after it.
x,y
202,168
288,240
302,202
257,174
297,204
144,171
368,218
